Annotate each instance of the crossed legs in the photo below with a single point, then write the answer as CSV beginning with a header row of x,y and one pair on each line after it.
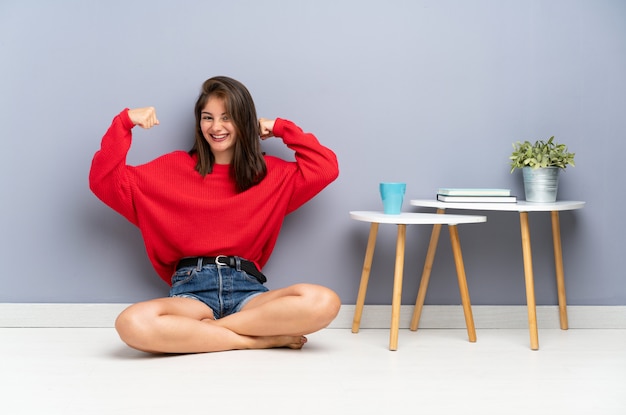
x,y
277,318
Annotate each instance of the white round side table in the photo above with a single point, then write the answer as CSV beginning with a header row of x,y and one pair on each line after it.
x,y
402,220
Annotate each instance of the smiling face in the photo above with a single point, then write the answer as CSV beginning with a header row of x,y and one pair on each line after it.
x,y
218,130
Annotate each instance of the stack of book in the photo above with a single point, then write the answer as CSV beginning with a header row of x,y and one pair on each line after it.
x,y
469,195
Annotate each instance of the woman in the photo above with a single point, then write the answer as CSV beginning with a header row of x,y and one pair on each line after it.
x,y
210,218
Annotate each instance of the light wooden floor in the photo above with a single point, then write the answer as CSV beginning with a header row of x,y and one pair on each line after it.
x,y
435,371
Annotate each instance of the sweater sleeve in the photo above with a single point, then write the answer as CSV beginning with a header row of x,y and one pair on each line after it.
x,y
317,165
110,179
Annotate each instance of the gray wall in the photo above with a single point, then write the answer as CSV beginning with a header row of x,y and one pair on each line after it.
x,y
428,92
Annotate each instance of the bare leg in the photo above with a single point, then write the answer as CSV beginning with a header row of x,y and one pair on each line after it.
x,y
295,310
183,325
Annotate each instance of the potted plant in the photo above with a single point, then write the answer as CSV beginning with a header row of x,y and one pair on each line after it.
x,y
541,163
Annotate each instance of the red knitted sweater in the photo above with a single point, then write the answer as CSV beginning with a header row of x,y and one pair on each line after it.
x,y
181,214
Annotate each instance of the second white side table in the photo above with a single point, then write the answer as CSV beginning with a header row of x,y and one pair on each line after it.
x,y
523,208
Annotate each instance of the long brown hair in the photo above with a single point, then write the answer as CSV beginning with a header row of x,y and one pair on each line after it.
x,y
248,167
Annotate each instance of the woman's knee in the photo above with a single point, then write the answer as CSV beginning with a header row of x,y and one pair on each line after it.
x,y
324,302
133,323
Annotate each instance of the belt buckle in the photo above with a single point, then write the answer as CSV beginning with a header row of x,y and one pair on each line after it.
x,y
217,260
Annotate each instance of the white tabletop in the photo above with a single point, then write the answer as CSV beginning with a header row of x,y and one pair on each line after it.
x,y
414,218
520,206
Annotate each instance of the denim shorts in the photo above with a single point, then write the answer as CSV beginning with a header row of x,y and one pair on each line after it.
x,y
224,289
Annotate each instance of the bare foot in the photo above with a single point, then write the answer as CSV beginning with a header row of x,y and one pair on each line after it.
x,y
268,342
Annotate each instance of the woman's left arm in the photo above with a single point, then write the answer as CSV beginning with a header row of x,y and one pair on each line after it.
x,y
317,164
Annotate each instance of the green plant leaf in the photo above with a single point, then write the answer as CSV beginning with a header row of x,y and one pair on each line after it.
x,y
540,154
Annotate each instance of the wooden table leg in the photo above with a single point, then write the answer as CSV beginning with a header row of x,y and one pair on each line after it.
x,y
560,275
530,282
460,271
365,276
428,266
397,288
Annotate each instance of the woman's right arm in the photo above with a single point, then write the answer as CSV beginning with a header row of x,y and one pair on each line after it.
x,y
110,179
